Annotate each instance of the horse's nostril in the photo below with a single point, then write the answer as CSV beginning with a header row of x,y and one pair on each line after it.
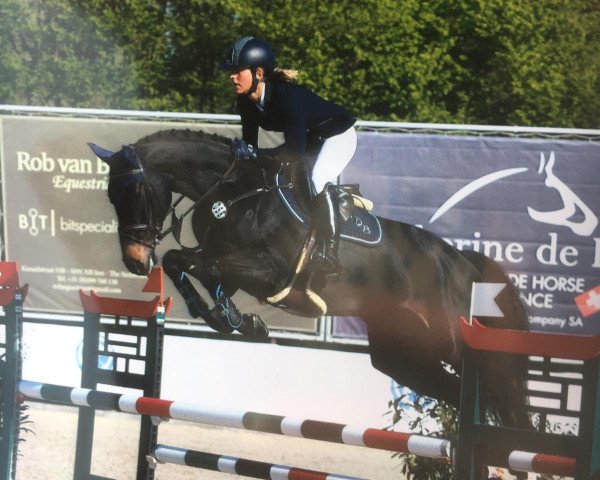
x,y
137,266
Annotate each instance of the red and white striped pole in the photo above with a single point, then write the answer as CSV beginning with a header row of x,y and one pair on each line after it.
x,y
312,429
542,463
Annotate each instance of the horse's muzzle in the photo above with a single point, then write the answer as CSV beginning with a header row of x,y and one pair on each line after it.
x,y
139,259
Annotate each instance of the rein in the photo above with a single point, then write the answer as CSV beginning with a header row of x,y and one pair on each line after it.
x,y
129,231
266,189
175,227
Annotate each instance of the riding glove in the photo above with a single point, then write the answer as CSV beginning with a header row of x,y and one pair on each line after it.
x,y
242,150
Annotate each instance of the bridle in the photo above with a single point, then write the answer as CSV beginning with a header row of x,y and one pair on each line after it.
x,y
132,231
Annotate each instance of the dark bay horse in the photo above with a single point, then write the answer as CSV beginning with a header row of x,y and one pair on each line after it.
x,y
410,289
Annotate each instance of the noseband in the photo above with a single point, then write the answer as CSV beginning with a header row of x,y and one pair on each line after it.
x,y
130,231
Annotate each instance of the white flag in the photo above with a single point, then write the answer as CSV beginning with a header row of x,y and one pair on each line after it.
x,y
482,300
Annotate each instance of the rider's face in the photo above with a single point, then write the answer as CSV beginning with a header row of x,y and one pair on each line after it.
x,y
242,80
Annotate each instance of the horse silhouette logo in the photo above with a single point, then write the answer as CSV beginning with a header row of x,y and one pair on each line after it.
x,y
573,206
571,202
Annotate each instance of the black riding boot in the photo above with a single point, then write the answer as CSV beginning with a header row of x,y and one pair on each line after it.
x,y
328,228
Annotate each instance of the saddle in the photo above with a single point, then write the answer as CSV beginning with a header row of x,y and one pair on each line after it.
x,y
359,225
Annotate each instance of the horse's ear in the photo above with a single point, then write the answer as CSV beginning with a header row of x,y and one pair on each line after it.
x,y
102,153
130,156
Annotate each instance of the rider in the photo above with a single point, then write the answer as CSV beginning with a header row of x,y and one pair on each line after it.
x,y
267,98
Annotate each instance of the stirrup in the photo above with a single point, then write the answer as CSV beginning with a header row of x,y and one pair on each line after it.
x,y
326,263
329,266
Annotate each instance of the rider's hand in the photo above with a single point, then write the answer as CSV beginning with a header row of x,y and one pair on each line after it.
x,y
241,150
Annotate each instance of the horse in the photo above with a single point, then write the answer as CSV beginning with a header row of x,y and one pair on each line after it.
x,y
410,289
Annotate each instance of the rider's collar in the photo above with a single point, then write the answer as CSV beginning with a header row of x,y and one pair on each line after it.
x,y
263,98
267,93
262,95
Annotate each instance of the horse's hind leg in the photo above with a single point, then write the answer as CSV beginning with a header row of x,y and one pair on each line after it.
x,y
176,264
403,347
505,375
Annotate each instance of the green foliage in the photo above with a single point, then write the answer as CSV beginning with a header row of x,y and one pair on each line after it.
x,y
52,55
433,418
466,61
383,60
24,419
531,63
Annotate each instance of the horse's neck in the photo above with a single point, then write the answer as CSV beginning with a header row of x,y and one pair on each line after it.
x,y
190,175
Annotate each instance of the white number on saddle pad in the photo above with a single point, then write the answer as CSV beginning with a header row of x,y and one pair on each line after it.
x,y
219,210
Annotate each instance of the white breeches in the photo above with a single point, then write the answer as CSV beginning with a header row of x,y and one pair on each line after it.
x,y
335,154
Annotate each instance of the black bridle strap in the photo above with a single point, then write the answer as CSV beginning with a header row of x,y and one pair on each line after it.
x,y
128,233
128,173
173,226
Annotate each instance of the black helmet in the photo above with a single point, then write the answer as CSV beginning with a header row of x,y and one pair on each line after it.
x,y
250,52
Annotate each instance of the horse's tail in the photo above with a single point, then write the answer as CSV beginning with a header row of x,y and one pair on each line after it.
x,y
504,375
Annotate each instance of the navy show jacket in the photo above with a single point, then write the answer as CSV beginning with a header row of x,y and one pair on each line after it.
x,y
293,109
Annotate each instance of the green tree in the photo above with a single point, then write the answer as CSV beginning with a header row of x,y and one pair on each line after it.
x,y
530,63
434,419
176,48
51,54
385,59
467,61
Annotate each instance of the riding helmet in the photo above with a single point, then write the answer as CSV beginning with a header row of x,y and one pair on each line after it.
x,y
250,52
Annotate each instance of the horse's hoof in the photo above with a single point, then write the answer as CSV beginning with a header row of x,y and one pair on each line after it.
x,y
230,315
197,308
218,323
253,326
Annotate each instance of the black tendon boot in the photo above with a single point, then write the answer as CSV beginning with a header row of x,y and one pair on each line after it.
x,y
328,229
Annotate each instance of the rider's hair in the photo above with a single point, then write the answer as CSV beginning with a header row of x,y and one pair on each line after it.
x,y
284,74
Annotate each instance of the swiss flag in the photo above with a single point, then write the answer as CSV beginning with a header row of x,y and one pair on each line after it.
x,y
589,302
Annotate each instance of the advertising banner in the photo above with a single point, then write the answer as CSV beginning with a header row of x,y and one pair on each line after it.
x,y
60,226
530,204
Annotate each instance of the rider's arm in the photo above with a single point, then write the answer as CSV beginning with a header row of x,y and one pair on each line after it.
x,y
295,121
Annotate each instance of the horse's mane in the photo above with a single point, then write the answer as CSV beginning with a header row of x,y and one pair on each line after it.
x,y
186,135
184,150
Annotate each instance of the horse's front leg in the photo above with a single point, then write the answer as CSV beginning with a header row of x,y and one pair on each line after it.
x,y
224,317
177,265
223,275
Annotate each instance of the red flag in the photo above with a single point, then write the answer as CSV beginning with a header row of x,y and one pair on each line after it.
x,y
589,302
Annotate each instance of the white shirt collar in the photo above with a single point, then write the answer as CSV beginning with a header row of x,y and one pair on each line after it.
x,y
260,105
262,95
